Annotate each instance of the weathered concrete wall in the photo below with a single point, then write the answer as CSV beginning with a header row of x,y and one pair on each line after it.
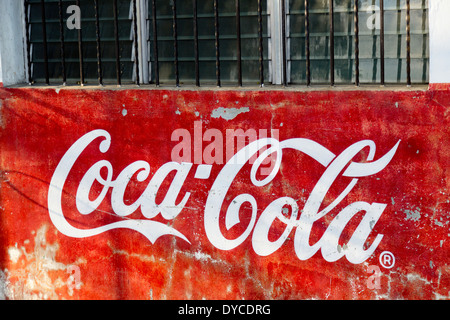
x,y
316,227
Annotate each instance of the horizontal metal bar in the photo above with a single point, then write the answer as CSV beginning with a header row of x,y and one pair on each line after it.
x,y
166,59
366,34
56,21
341,10
322,58
211,15
86,60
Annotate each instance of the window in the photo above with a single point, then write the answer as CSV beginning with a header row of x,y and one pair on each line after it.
x,y
370,33
59,55
218,40
228,42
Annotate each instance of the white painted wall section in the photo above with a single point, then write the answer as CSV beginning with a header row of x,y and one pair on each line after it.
x,y
1,77
439,21
12,49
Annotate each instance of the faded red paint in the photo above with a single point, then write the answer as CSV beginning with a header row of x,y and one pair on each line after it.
x,y
38,126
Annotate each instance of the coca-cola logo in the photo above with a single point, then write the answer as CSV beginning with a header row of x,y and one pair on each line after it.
x,y
262,150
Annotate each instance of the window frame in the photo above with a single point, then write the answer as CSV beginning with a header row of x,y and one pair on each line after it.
x,y
279,42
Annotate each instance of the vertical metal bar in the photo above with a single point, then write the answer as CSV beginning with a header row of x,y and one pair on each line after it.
x,y
238,44
175,43
61,35
155,42
408,42
283,41
80,51
27,35
356,31
331,22
136,44
307,49
144,43
382,65
97,34
216,42
44,39
197,64
116,37
260,44
425,42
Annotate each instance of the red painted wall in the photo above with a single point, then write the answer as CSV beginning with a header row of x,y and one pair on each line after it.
x,y
41,259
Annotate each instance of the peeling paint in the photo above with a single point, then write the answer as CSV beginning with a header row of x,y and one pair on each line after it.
x,y
413,215
4,285
14,254
36,280
228,113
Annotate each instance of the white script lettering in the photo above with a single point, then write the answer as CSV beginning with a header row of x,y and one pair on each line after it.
x,y
328,244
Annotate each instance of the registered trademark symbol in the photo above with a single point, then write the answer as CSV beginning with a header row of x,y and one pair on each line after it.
x,y
387,259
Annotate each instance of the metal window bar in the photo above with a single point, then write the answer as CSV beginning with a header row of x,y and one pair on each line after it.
x,y
98,42
44,40
382,58
28,43
307,44
408,43
283,37
175,43
216,41
196,55
62,46
136,39
238,43
356,31
331,22
260,45
117,45
155,43
80,52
